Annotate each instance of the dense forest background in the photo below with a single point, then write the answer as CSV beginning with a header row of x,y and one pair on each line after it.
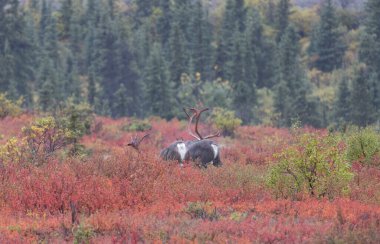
x,y
270,61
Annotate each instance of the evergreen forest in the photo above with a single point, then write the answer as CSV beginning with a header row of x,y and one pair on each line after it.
x,y
271,62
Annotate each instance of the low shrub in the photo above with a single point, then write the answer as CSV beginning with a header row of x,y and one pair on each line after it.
x,y
11,151
363,145
225,120
44,137
83,234
76,119
137,125
313,165
8,107
202,210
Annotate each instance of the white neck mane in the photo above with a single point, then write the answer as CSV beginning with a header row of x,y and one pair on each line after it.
x,y
182,150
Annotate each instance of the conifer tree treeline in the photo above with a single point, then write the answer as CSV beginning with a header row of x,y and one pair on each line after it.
x,y
142,58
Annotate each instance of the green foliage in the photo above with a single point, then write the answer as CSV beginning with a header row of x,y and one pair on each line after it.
x,y
202,210
225,120
314,165
264,112
77,120
83,234
8,107
238,216
363,145
189,89
43,138
216,93
137,125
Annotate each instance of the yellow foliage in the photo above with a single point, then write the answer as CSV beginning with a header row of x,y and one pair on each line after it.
x,y
304,18
11,151
8,107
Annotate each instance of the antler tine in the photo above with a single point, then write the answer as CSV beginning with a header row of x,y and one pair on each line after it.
x,y
198,112
188,116
189,124
213,135
142,138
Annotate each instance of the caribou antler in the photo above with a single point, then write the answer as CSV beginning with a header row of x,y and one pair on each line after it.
x,y
197,114
189,124
135,141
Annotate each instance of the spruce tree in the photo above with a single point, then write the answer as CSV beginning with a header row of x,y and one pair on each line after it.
x,y
226,41
240,14
282,18
67,14
262,49
362,110
370,40
48,95
178,57
243,79
72,87
342,105
292,84
91,88
127,75
17,57
121,102
143,9
329,46
164,22
282,105
159,89
45,20
373,15
289,59
108,57
92,15
76,34
200,43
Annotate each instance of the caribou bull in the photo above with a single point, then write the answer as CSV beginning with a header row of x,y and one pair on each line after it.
x,y
202,150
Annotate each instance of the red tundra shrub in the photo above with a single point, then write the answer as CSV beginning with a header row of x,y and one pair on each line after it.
x,y
122,195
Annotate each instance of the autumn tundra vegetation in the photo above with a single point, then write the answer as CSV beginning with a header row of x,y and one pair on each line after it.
x,y
189,121
71,176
